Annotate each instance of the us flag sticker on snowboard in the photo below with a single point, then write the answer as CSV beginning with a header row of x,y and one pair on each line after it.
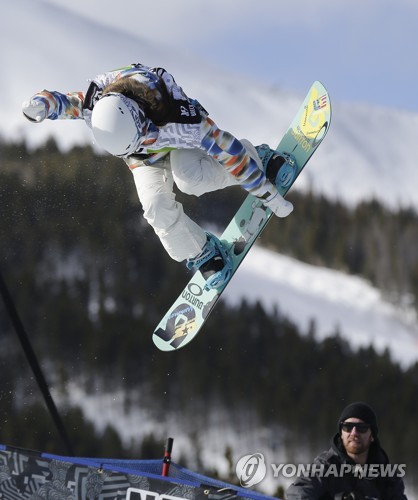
x,y
320,103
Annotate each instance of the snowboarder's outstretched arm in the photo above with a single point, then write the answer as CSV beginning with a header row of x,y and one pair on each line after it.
x,y
201,132
54,105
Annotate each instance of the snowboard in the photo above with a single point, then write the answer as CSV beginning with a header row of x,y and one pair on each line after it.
x,y
189,312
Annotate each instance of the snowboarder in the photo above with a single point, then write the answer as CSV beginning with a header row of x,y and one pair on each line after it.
x,y
140,114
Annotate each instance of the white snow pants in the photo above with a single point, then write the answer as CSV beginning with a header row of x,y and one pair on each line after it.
x,y
195,173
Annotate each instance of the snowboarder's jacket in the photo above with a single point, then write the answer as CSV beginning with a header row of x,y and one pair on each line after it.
x,y
336,476
184,123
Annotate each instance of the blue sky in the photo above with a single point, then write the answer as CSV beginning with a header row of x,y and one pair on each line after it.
x,y
363,50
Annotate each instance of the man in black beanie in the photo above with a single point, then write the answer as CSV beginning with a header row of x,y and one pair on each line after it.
x,y
355,467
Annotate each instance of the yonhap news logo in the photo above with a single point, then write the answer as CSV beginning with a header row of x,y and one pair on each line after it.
x,y
251,469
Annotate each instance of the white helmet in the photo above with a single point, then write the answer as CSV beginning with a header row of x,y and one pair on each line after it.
x,y
117,124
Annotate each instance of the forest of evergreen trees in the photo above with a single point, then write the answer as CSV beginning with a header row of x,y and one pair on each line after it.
x,y
90,282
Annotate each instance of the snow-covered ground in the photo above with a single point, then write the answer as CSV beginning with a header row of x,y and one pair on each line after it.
x,y
196,437
332,299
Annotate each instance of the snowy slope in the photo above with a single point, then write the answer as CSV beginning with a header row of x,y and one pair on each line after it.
x,y
370,151
336,301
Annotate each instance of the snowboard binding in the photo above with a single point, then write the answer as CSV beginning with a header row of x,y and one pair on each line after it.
x,y
214,262
279,168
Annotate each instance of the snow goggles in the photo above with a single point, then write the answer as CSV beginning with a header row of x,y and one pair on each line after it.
x,y
361,427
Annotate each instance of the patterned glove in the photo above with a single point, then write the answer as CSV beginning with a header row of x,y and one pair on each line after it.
x,y
35,110
279,206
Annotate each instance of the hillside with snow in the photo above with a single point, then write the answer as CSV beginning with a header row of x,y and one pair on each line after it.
x,y
337,302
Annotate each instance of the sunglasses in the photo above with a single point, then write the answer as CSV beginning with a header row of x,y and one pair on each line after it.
x,y
349,426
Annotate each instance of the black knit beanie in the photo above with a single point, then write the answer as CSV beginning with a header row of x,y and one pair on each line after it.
x,y
363,412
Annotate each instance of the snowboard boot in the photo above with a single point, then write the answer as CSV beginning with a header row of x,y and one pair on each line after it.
x,y
214,262
279,168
